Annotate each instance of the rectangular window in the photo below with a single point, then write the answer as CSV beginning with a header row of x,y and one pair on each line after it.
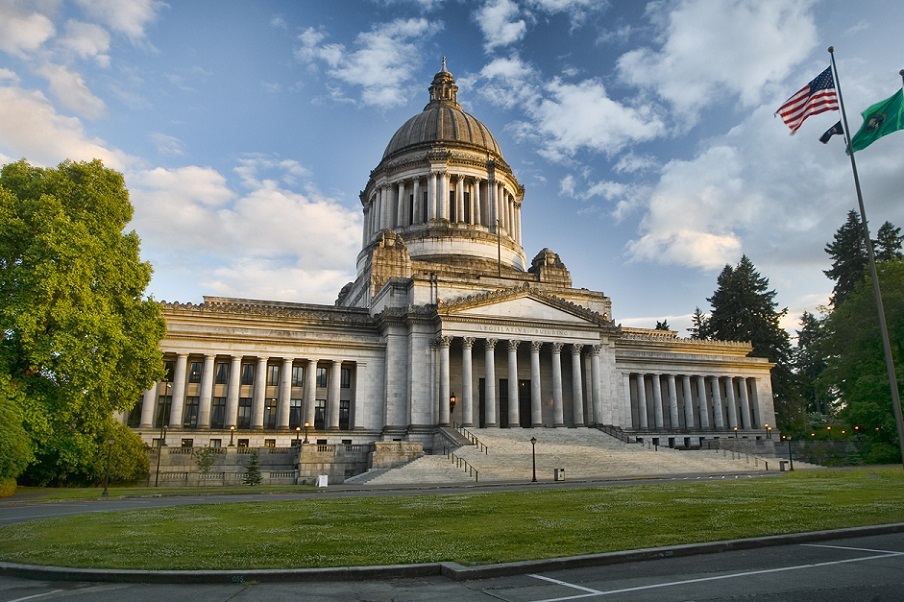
x,y
135,414
269,442
321,378
215,443
244,418
247,374
272,375
410,209
169,368
344,414
194,372
243,443
345,378
297,376
164,403
222,375
452,216
270,413
467,207
320,414
188,443
190,416
295,413
218,413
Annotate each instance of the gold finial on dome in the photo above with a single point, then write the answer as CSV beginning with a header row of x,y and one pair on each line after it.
x,y
444,64
443,87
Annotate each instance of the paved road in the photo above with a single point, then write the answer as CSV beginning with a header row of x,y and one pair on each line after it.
x,y
865,568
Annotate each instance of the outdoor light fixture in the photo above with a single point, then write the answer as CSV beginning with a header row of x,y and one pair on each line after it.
x,y
735,432
533,454
297,434
306,425
452,402
768,432
231,435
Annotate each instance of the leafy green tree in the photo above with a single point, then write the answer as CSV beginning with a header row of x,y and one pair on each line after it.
x,y
15,444
81,339
849,258
855,362
744,309
887,245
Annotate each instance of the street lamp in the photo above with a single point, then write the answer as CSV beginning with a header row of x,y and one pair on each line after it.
x,y
790,456
735,432
231,435
105,492
306,425
297,435
768,432
452,401
533,454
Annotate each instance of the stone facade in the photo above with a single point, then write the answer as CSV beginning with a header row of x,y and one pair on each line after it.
x,y
446,323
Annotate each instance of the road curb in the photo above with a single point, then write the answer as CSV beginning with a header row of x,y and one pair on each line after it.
x,y
451,570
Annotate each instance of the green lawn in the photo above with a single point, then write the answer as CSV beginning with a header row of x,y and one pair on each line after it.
x,y
56,494
472,528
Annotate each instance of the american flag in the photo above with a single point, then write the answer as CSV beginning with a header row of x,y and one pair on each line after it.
x,y
816,97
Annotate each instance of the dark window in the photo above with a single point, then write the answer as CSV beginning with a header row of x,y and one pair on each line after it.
x,y
344,414
452,216
243,443
244,416
321,378
222,376
320,414
218,413
190,415
214,443
410,209
297,376
169,368
134,420
247,374
467,207
188,443
164,403
273,375
194,372
424,208
345,378
270,413
295,413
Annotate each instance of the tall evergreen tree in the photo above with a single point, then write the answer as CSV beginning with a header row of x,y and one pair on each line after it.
x,y
744,309
849,258
809,363
887,245
698,325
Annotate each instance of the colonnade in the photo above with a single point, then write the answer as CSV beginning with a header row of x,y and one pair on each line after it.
x,y
510,348
209,391
709,402
458,198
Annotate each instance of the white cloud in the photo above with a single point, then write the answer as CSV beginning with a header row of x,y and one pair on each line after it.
x,y
22,32
382,63
710,50
71,91
9,75
130,18
167,145
31,128
87,40
499,22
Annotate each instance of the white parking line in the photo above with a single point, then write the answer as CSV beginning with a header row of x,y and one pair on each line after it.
x,y
35,596
591,592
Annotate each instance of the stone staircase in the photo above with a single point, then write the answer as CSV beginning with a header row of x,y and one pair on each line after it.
x,y
582,453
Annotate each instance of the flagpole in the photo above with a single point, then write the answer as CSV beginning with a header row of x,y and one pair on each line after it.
x,y
883,326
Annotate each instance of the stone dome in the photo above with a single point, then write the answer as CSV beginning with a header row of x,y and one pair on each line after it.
x,y
443,122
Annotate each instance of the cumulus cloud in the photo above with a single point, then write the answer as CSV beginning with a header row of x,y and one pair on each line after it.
x,y
71,91
23,31
87,41
499,22
382,61
708,51
128,18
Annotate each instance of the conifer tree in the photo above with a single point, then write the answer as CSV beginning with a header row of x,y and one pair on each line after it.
x,y
849,258
887,245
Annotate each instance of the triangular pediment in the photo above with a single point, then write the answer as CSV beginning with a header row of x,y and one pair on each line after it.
x,y
521,304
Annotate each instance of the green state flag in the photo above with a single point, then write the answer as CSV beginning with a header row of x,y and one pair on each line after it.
x,y
880,119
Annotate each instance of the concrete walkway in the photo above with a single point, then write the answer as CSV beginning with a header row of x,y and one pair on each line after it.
x,y
583,453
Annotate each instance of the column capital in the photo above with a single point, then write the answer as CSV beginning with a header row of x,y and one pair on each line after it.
x,y
443,340
490,343
468,342
513,344
595,349
536,345
557,346
576,348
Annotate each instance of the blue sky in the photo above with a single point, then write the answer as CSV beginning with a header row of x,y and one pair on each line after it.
x,y
643,132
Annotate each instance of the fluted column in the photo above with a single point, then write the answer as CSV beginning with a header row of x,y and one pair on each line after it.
x,y
558,408
672,393
513,409
478,214
577,386
467,379
717,402
206,392
755,403
445,187
657,400
731,402
490,382
402,211
260,390
444,388
460,199
310,392
688,401
232,390
431,195
536,399
175,418
332,395
745,421
285,394
596,386
148,405
701,402
642,401
416,205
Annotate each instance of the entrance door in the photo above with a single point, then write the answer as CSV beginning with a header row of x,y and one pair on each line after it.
x,y
503,403
524,403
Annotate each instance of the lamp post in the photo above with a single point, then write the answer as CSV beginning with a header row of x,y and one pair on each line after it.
x,y
109,446
735,432
231,435
790,456
297,435
306,425
452,401
768,432
533,455
161,443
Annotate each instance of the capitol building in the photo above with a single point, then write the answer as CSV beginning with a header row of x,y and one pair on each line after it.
x,y
447,324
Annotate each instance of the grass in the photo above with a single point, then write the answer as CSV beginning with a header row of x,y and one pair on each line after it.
x,y
474,528
57,494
